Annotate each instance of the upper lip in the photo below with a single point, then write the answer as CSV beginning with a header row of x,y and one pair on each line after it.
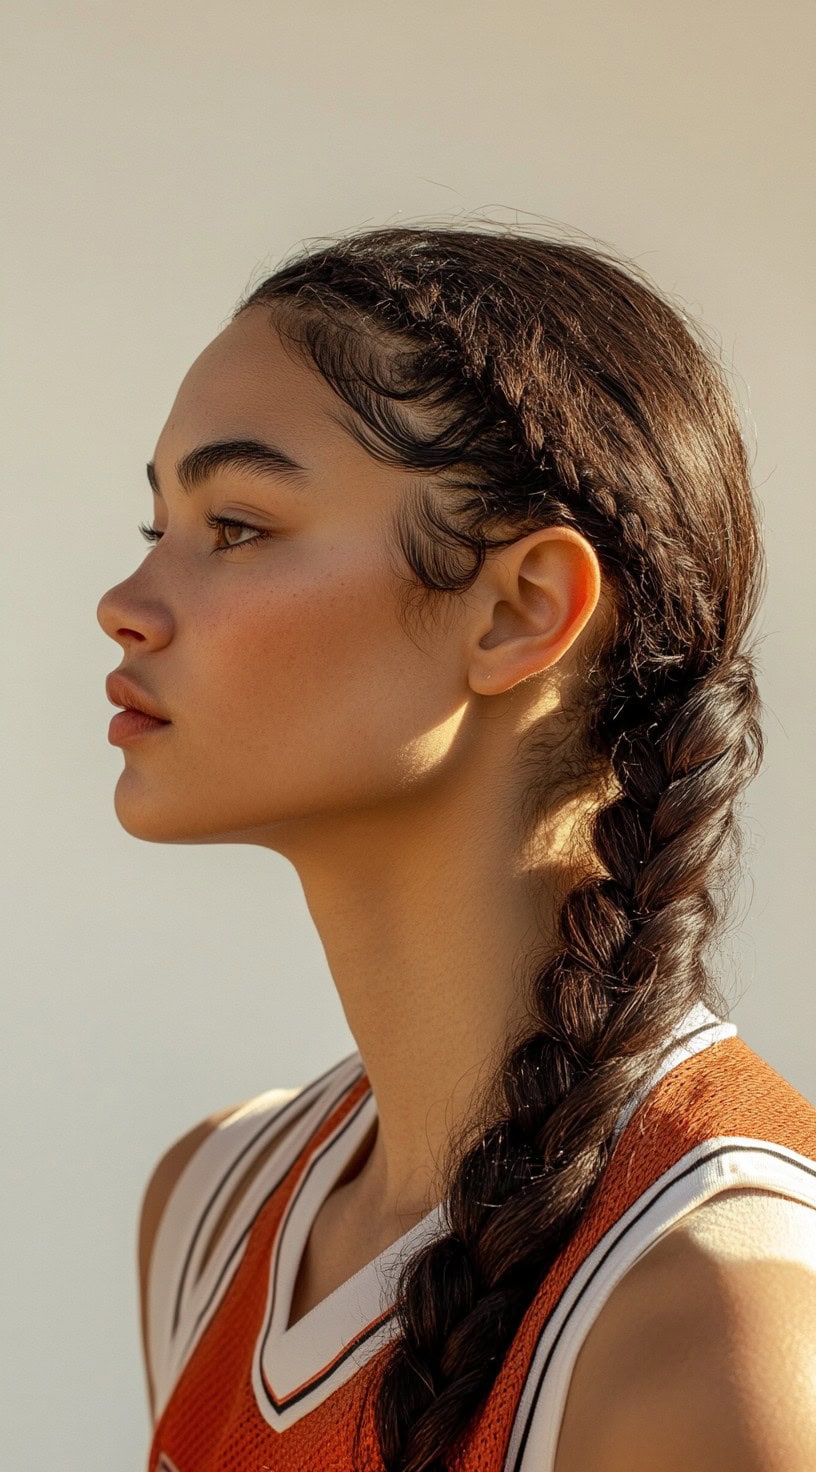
x,y
120,691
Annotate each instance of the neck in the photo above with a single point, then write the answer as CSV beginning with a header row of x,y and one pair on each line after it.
x,y
429,918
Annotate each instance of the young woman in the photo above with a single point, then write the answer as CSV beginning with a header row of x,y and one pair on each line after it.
x,y
455,562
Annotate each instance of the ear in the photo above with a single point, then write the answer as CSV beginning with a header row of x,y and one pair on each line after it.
x,y
533,599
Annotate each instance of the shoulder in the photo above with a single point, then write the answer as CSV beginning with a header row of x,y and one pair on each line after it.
x,y
179,1186
162,1180
704,1355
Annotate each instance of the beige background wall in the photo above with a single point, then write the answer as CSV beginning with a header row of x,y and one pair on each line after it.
x,y
157,157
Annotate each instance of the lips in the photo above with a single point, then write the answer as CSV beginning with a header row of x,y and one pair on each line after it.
x,y
121,691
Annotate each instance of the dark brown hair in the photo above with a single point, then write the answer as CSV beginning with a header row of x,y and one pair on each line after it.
x,y
532,382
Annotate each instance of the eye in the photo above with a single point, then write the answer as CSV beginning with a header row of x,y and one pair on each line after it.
x,y
220,523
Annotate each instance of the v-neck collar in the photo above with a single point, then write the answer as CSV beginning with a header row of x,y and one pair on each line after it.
x,y
296,1368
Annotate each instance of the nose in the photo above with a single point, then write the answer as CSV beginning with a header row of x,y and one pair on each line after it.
x,y
129,617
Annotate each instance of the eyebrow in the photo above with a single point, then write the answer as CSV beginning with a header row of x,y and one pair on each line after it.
x,y
260,459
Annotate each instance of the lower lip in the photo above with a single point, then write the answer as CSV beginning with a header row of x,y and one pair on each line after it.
x,y
127,725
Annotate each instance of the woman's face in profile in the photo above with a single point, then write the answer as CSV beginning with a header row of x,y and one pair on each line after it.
x,y
291,686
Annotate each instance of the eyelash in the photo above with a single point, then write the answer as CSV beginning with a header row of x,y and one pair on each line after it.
x,y
152,534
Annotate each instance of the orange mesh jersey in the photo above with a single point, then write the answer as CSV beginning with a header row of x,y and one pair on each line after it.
x,y
239,1391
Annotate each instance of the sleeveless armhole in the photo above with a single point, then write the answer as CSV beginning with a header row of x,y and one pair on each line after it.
x,y
780,1222
777,1219
188,1275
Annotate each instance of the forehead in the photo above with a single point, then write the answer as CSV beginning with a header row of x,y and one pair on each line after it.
x,y
249,383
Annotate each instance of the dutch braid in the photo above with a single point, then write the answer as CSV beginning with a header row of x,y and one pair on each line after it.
x,y
555,387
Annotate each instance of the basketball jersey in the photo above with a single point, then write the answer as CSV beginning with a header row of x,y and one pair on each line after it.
x,y
236,1389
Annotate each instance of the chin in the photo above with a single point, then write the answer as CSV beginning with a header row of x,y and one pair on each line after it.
x,y
162,811
148,820
143,815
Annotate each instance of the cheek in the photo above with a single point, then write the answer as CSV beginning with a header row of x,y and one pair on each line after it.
x,y
319,683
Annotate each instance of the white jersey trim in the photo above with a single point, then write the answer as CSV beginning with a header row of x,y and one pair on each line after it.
x,y
179,1302
295,1369
701,1029
714,1166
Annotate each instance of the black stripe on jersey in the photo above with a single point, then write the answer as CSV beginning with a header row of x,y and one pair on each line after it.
x,y
360,1339
760,1148
282,1116
240,1240
301,1101
349,1349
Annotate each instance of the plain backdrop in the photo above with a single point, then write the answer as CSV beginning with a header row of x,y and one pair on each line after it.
x,y
158,158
